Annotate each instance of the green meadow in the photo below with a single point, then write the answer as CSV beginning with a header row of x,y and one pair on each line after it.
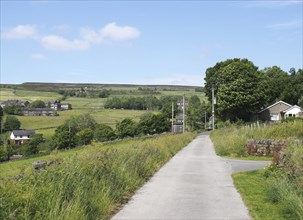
x,y
26,95
46,124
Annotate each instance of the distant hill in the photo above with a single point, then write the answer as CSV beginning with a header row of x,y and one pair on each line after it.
x,y
39,86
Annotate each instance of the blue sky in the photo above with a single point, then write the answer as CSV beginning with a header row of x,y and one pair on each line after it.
x,y
144,42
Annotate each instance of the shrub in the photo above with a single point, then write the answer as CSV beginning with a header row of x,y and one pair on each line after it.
x,y
104,132
126,128
85,136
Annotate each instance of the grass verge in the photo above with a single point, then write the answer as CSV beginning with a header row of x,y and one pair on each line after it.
x,y
231,141
253,188
89,184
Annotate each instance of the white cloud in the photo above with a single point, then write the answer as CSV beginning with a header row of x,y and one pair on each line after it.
x,y
62,27
91,36
38,56
20,32
110,32
115,32
286,25
53,42
88,37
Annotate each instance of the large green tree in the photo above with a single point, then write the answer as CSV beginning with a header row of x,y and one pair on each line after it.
x,y
238,91
294,87
37,104
195,113
12,109
11,123
69,134
274,81
153,124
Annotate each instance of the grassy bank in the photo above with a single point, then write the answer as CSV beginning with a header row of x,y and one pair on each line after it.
x,y
90,183
230,141
275,192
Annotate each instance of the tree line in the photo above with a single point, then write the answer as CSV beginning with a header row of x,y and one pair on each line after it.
x,y
241,89
140,103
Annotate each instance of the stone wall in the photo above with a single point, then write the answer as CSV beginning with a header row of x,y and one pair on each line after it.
x,y
267,147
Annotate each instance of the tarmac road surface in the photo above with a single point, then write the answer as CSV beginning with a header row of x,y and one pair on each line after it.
x,y
194,184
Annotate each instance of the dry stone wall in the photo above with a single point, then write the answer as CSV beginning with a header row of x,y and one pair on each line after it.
x,y
267,147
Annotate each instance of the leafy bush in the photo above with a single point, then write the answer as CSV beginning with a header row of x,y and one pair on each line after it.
x,y
104,132
85,136
126,128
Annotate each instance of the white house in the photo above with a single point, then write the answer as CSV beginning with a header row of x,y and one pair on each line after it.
x,y
19,137
274,112
292,111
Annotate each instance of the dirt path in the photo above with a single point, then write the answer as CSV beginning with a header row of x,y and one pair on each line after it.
x,y
194,184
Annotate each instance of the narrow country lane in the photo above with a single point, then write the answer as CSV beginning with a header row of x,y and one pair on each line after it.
x,y
194,184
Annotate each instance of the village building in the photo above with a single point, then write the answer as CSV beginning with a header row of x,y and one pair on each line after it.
x,y
57,105
279,110
19,137
53,104
66,106
14,102
292,111
39,112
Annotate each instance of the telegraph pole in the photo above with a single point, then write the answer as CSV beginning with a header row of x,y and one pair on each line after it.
x,y
172,117
205,122
183,114
213,106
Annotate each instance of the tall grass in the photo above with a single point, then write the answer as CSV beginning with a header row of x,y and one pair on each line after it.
x,y
230,141
91,184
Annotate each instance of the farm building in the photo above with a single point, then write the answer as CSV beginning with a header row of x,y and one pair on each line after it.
x,y
19,137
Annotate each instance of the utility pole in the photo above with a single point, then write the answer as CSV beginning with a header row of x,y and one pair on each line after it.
x,y
183,114
172,117
213,106
205,121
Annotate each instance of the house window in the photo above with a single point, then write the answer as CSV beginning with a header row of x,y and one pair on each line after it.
x,y
274,117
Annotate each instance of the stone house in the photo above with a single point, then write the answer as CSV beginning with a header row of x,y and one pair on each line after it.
x,y
53,104
19,137
39,112
15,102
57,105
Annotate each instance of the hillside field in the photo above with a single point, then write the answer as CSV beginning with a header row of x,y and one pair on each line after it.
x,y
46,125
